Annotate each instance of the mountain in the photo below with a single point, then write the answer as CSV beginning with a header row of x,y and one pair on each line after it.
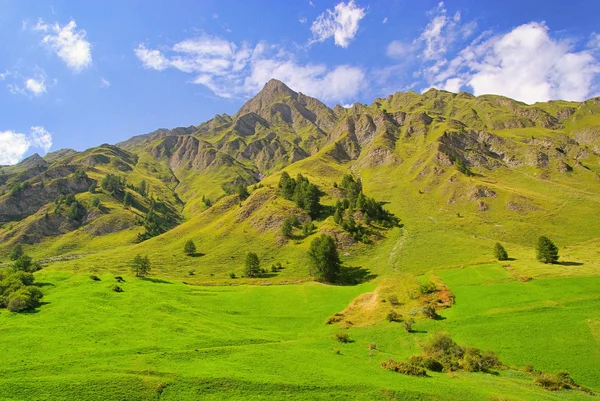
x,y
435,155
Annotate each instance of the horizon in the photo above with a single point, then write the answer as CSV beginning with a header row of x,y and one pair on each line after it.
x,y
77,76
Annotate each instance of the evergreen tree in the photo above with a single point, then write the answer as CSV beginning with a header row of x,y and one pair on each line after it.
x,y
252,265
547,252
16,252
242,191
127,199
190,248
324,258
143,188
499,252
140,265
287,227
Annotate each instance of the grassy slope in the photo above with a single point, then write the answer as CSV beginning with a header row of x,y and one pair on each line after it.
x,y
186,342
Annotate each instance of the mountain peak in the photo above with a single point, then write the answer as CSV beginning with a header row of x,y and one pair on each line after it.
x,y
274,91
276,86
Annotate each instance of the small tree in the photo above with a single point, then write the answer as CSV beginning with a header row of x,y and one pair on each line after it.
x,y
287,227
252,265
242,191
324,258
140,265
128,199
16,252
190,248
499,252
547,252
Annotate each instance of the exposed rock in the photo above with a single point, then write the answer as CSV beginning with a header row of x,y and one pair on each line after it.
x,y
482,206
564,167
481,192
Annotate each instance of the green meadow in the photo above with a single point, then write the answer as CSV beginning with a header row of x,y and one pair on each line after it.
x,y
162,339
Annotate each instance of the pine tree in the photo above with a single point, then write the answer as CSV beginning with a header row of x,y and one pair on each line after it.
x,y
287,227
190,248
324,258
547,252
128,199
252,265
499,252
16,252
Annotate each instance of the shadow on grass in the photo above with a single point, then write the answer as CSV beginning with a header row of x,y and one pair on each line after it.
x,y
510,259
44,285
570,263
34,310
418,331
197,255
355,275
155,280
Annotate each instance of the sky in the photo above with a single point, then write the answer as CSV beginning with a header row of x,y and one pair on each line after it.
x,y
77,74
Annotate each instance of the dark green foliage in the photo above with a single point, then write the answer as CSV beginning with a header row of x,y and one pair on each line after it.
x,y
127,199
142,189
499,252
96,202
547,252
342,338
427,288
16,252
206,201
93,186
393,316
242,191
26,264
324,259
140,265
252,268
94,277
232,275
461,166
76,211
430,312
17,292
79,175
307,228
287,227
116,288
113,184
305,194
406,368
408,324
157,220
190,248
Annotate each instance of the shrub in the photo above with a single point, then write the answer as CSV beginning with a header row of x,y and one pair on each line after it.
x,y
16,252
392,316
116,288
119,279
393,300
433,365
372,346
324,258
338,317
427,288
404,368
95,278
499,252
408,324
342,338
232,275
430,312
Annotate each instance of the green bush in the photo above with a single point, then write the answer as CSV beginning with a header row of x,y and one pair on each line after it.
x,y
427,288
342,338
499,252
547,252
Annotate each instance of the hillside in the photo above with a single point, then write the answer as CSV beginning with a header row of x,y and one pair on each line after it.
x,y
458,173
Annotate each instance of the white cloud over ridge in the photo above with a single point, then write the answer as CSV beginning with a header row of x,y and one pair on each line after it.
x,y
526,64
341,24
14,145
68,43
231,70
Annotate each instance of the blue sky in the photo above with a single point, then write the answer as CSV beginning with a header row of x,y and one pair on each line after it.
x,y
76,74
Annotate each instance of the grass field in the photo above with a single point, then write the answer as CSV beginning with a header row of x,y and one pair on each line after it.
x,y
165,340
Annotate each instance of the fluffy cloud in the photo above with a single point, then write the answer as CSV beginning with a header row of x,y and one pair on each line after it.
x,y
13,145
341,23
229,70
398,49
526,64
36,86
68,43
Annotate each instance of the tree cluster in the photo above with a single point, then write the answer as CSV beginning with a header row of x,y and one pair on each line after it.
x,y
157,220
17,289
355,200
113,184
300,190
74,209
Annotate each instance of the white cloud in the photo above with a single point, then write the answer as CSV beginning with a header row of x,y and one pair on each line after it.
x,y
384,21
68,43
104,83
4,75
341,23
440,33
36,86
303,20
13,145
229,70
453,85
528,65
594,42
